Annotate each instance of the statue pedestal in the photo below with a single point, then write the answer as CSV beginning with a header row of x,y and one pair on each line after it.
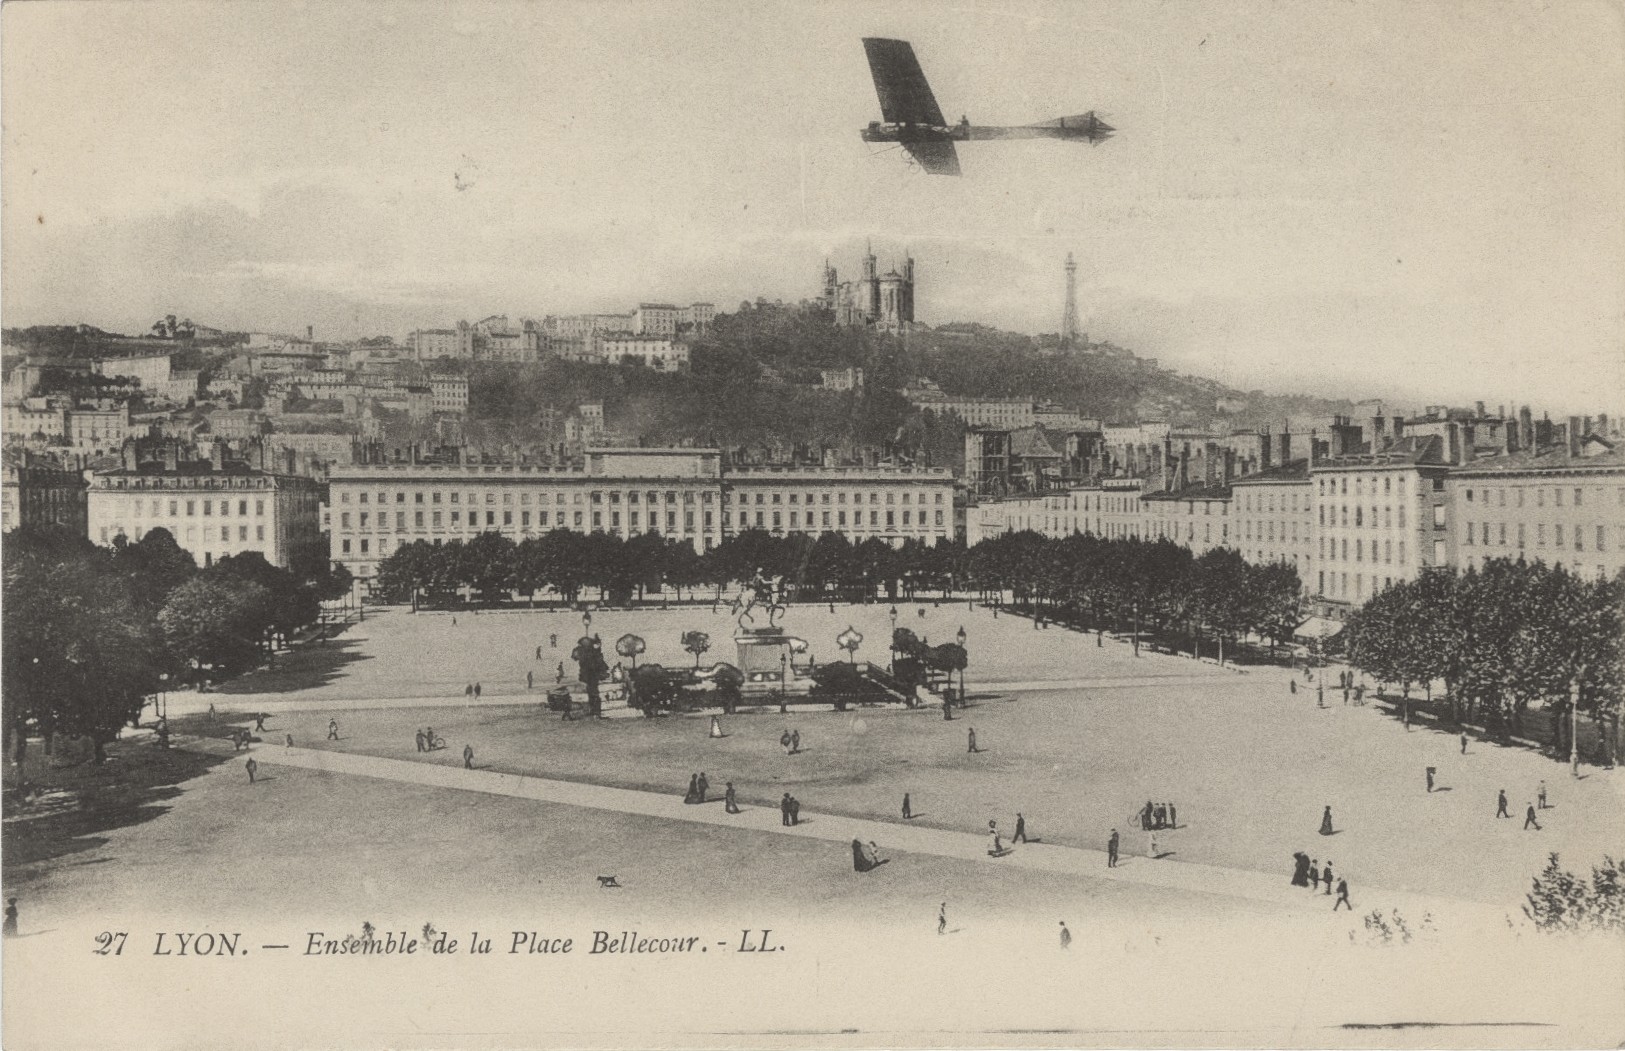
x,y
764,658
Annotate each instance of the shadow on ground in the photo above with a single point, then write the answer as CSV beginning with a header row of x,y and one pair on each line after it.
x,y
308,667
71,806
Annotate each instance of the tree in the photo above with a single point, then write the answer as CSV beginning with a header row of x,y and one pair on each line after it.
x,y
407,571
214,622
696,642
79,653
488,566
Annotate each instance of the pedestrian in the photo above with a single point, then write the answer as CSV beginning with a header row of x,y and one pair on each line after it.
x,y
1345,695
290,741
259,722
252,767
832,608
10,928
561,672
1342,895
704,786
1145,815
1292,684
428,738
998,841
1314,875
1173,816
1320,694
942,917
1326,822
1431,772
795,811
1159,816
971,747
211,709
947,710
530,680
1151,850
1021,829
795,742
476,691
784,809
693,793
1111,850
468,757
1529,818
1540,795
908,811
784,740
468,691
1464,742
332,729
729,802
1066,936
422,746
538,653
1501,804
1326,875
553,641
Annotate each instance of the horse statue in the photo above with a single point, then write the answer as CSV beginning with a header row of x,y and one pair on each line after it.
x,y
762,593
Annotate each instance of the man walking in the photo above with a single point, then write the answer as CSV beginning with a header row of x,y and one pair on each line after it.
x,y
1342,896
253,768
1066,936
468,757
1540,796
784,810
476,691
971,747
1326,875
1431,772
530,680
1021,829
703,785
332,729
729,802
942,917
421,747
259,722
1528,818
795,742
1111,850
1464,742
908,811
1501,804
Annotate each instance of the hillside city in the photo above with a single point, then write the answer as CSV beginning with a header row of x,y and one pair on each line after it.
x,y
752,420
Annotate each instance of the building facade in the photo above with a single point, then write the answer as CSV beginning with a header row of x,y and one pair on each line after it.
x,y
212,512
41,494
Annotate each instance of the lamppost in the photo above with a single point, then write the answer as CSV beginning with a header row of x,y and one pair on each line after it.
x,y
961,638
891,659
586,623
784,682
1574,726
1136,629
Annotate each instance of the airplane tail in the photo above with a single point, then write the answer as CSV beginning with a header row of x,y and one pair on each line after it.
x,y
1080,126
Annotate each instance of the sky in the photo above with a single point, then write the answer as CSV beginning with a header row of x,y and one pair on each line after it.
x,y
1419,201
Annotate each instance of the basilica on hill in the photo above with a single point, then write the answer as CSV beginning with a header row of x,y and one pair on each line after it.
x,y
876,300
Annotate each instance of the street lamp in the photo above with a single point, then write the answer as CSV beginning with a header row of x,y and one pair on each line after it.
x,y
961,638
586,623
1574,727
1136,629
891,660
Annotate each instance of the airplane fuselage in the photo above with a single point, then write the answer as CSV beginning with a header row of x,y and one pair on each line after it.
x,y
878,131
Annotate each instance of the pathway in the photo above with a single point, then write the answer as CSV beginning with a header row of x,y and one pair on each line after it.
x,y
1072,861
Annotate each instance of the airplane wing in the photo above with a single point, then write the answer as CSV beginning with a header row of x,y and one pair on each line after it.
x,y
905,97
937,158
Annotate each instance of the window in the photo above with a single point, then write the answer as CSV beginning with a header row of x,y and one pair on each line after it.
x,y
417,519
259,532
344,546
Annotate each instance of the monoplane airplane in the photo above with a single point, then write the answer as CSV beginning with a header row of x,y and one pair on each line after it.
x,y
914,120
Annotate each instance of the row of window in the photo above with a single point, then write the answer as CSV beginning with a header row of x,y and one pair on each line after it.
x,y
1333,486
191,508
1479,533
1267,498
637,496
857,519
1329,549
1498,497
544,519
190,535
1339,515
1266,530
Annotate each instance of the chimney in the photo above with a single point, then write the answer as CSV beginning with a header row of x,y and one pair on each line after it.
x,y
1511,429
310,333
1526,429
1575,435
1543,431
1452,442
1285,444
1478,409
1264,449
1602,426
1378,432
1314,447
1586,429
1399,427
1229,467
1469,443
1184,476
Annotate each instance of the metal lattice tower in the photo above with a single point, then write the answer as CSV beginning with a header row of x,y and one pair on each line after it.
x,y
1069,318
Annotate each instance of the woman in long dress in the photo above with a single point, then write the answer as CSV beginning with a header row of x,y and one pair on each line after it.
x,y
861,861
1326,822
693,794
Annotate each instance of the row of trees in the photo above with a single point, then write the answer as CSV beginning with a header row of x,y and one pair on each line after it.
x,y
1501,638
1156,585
494,567
90,632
